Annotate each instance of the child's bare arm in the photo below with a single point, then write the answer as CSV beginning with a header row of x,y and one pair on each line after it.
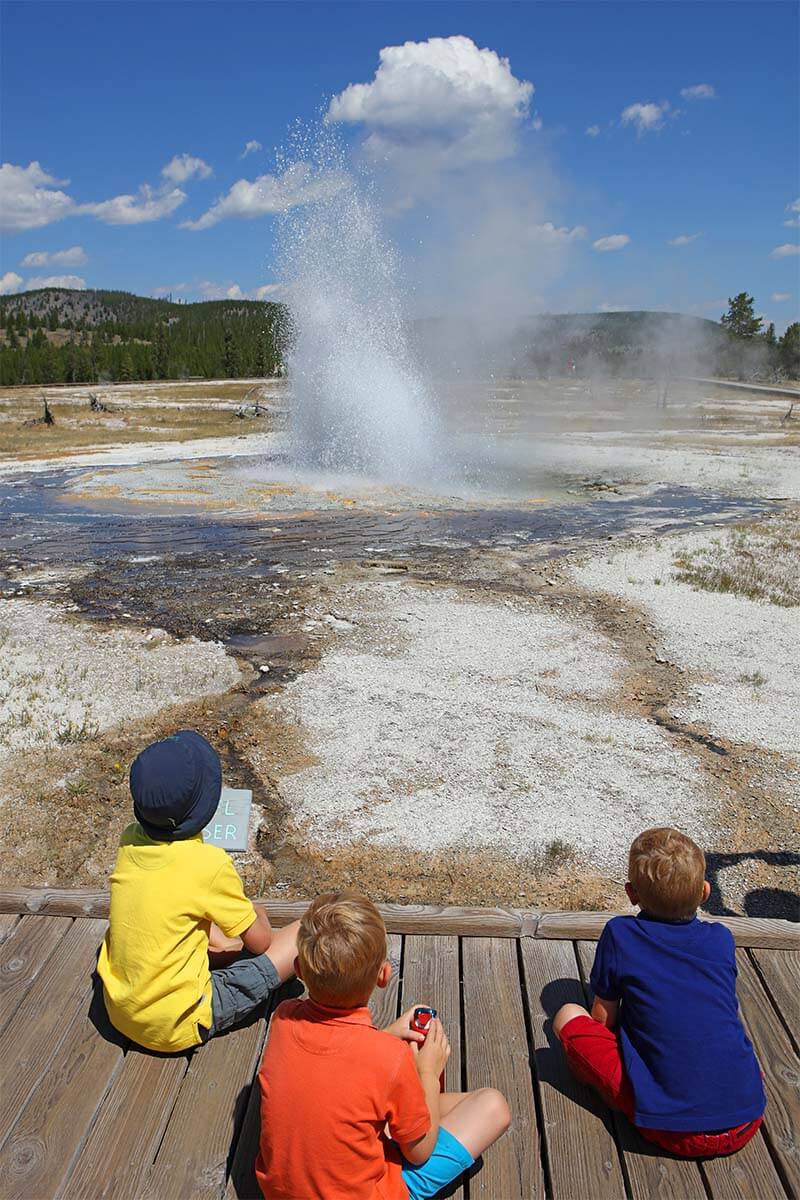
x,y
605,1012
430,1061
219,943
257,938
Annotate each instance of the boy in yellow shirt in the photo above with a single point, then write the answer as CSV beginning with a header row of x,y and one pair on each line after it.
x,y
174,899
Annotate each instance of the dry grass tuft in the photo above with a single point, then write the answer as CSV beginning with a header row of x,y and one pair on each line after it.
x,y
760,561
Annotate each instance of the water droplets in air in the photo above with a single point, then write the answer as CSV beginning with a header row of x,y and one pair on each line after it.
x,y
359,404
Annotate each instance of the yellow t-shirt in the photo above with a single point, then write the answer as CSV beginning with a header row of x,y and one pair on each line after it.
x,y
154,959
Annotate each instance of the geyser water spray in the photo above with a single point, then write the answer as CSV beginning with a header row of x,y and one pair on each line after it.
x,y
359,404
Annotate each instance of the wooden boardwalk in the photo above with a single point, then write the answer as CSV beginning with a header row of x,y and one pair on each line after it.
x,y
85,1114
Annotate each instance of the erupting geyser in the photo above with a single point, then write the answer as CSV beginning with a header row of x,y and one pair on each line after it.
x,y
359,405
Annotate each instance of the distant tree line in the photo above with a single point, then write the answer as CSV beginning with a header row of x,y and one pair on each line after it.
x,y
748,335
61,336
57,335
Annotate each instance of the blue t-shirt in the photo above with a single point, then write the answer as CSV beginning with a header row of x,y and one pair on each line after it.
x,y
688,1058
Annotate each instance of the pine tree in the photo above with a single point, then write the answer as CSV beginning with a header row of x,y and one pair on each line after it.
x,y
769,336
739,318
789,347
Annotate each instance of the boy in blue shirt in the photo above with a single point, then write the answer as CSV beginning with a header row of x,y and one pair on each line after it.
x,y
664,1043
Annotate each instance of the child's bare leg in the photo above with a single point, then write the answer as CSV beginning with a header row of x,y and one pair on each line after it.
x,y
476,1119
283,950
567,1013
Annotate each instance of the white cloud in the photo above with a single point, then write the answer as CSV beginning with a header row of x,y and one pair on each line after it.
x,y
443,99
29,199
56,281
74,257
787,250
207,289
149,204
616,241
793,223
699,91
251,147
607,307
683,239
645,117
269,194
182,167
558,235
593,131
10,282
779,297
269,291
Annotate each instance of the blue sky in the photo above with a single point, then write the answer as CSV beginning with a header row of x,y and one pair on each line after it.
x,y
107,95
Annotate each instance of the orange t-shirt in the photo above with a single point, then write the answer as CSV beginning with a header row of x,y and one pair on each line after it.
x,y
330,1082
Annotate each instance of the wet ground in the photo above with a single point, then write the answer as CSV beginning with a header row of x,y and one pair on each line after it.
x,y
227,577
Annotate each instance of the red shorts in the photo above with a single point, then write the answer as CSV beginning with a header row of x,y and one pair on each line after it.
x,y
593,1055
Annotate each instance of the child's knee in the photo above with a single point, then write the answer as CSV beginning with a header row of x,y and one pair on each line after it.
x,y
495,1110
565,1014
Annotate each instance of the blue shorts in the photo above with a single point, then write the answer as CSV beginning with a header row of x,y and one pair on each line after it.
x,y
449,1160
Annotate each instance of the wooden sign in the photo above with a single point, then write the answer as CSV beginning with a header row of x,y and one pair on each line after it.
x,y
229,825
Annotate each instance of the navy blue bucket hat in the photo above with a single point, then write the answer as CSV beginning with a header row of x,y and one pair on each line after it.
x,y
176,785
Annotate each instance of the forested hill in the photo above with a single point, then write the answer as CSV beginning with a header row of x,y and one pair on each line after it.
x,y
57,335
60,336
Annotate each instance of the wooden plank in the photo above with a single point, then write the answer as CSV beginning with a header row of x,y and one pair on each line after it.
x,y
127,1133
8,922
747,1175
52,1127
779,1063
651,1176
422,919
384,1001
581,1151
22,956
242,1182
780,974
400,918
431,976
32,1036
497,1056
747,931
192,1160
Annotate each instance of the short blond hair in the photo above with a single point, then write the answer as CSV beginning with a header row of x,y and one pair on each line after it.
x,y
341,945
667,870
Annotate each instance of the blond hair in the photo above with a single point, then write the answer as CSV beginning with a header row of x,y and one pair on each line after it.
x,y
667,870
341,945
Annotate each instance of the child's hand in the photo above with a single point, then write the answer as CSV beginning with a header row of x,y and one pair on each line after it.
x,y
402,1028
431,1057
219,943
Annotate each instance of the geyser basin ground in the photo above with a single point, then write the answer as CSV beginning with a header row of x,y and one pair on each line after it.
x,y
474,697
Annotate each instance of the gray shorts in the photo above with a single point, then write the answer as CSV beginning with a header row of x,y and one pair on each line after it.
x,y
239,989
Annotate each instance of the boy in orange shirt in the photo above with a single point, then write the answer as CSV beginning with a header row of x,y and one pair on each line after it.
x,y
350,1112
